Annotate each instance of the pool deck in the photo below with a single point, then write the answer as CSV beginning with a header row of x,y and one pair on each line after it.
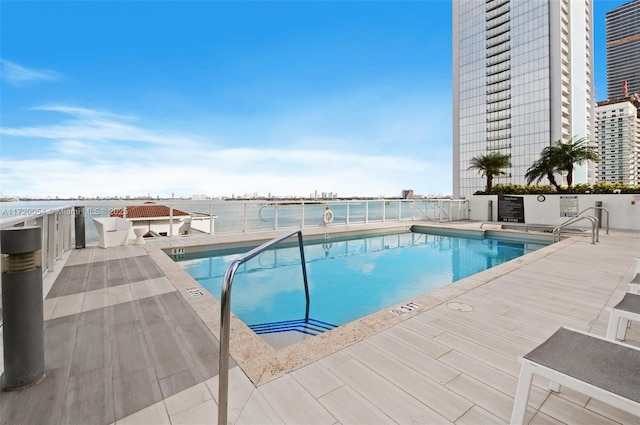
x,y
126,343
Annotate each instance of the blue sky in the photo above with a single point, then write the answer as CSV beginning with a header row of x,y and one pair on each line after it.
x,y
222,98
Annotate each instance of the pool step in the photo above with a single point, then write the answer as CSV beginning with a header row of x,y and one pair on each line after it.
x,y
309,327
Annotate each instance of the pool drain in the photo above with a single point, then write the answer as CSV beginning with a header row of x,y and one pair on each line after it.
x,y
459,306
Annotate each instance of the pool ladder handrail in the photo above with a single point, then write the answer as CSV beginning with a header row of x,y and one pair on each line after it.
x,y
595,230
225,316
597,208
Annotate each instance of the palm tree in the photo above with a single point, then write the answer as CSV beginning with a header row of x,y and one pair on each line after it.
x,y
542,168
490,165
559,157
565,155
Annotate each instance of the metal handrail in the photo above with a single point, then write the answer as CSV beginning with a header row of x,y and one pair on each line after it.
x,y
225,316
597,208
595,233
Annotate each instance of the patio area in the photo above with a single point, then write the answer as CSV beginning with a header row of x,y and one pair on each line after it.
x,y
125,343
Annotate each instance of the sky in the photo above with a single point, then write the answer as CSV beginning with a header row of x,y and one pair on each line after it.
x,y
230,98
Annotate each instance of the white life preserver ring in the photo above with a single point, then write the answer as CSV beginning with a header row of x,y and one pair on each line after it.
x,y
327,217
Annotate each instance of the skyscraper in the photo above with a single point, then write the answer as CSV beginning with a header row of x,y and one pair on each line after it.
x,y
623,50
522,79
618,134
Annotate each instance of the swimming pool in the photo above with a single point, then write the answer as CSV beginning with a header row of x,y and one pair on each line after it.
x,y
349,278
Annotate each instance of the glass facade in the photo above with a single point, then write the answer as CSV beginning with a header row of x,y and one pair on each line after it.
x,y
623,49
512,83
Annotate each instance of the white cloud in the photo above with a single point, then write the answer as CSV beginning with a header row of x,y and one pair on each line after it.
x,y
95,153
20,76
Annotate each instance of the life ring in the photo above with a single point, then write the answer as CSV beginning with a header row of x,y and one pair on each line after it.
x,y
541,198
327,217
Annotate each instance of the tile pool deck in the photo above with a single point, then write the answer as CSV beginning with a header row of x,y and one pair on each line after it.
x,y
125,343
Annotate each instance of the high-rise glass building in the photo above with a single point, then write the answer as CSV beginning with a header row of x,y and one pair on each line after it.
x,y
522,79
623,50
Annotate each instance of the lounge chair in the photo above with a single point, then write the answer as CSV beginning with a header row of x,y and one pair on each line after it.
x,y
626,310
634,284
112,231
590,364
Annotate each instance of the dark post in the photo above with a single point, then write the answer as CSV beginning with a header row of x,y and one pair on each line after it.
x,y
22,307
599,213
80,242
490,211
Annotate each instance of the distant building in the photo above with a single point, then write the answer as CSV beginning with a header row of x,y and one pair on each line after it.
x,y
522,79
161,220
623,50
618,136
407,194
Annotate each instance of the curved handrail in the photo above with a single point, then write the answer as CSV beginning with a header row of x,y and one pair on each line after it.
x,y
597,208
595,233
225,316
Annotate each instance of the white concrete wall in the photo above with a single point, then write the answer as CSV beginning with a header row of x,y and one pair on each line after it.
x,y
624,210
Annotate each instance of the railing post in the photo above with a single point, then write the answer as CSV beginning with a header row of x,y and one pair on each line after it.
x,y
211,219
245,217
399,210
366,212
302,215
347,213
384,210
170,220
51,241
275,218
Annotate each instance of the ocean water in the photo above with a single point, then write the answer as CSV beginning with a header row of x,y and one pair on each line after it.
x,y
239,216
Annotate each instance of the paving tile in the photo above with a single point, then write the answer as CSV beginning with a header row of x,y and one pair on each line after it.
x,y
123,313
92,349
239,392
493,401
119,294
141,289
187,398
391,400
48,306
349,407
129,349
415,359
445,402
258,411
293,403
317,379
156,414
161,285
492,377
135,391
164,350
95,299
428,345
177,382
89,398
203,413
498,360
41,404
567,412
477,415
334,359
68,305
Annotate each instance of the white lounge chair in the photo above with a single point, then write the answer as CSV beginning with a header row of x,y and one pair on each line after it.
x,y
603,369
628,309
112,231
634,284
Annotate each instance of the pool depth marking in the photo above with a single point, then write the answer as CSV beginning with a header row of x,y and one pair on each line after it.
x,y
405,308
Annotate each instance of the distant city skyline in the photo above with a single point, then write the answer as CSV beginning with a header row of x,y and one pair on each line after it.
x,y
221,98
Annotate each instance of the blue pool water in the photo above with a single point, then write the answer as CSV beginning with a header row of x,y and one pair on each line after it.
x,y
348,279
